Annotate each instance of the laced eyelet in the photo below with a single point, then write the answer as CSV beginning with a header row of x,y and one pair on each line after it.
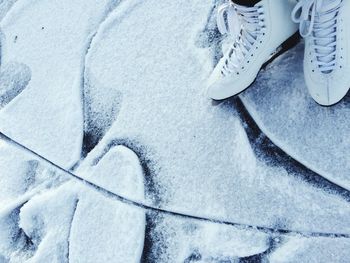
x,y
244,44
320,26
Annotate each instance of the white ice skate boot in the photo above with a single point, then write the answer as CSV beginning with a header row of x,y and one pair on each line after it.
x,y
325,25
259,33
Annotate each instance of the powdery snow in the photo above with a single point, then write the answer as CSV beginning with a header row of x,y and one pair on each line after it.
x,y
203,163
320,250
115,92
106,230
47,114
316,136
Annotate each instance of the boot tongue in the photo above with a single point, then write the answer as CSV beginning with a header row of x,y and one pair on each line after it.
x,y
250,29
248,19
325,25
246,39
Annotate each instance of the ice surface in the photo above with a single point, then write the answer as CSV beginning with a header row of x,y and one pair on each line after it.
x,y
99,220
203,163
77,222
41,228
13,80
118,171
118,91
21,172
316,136
46,221
22,178
16,173
104,230
320,250
5,6
187,240
47,115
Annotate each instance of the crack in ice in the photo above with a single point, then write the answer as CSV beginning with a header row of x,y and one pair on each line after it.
x,y
114,196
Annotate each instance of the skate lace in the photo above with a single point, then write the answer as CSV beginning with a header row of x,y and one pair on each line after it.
x,y
245,24
318,20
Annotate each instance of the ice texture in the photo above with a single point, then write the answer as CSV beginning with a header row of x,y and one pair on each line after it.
x,y
25,182
47,115
320,250
46,221
188,240
203,163
315,136
106,230
113,93
100,220
67,221
14,78
5,6
119,171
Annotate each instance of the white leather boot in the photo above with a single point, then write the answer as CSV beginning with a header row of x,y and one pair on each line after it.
x,y
259,33
325,25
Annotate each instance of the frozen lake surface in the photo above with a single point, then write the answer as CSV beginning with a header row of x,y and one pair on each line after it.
x,y
111,152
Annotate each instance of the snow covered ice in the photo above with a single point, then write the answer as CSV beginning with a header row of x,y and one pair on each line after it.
x,y
111,152
315,136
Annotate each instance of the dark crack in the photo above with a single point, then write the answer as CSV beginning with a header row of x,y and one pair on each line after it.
x,y
114,196
263,147
274,242
96,124
272,155
70,229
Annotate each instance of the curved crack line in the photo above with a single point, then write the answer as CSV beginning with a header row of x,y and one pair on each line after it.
x,y
114,196
263,145
113,5
104,25
272,154
70,228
